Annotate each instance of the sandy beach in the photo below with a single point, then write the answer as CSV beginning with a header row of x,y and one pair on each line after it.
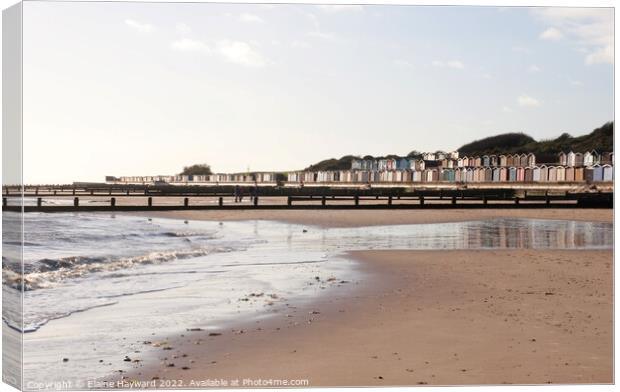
x,y
420,317
344,218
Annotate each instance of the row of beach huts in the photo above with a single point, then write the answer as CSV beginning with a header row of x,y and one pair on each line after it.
x,y
267,178
542,173
449,167
452,160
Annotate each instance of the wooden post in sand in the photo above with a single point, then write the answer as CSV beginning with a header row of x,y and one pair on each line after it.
x,y
113,202
357,200
289,201
390,200
186,202
421,200
547,199
150,201
76,202
255,200
453,200
220,201
39,201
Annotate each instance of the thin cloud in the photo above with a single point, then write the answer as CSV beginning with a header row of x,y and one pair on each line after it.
x,y
576,83
250,18
527,101
551,34
590,30
241,53
183,28
300,44
506,109
403,63
318,32
534,68
190,45
455,64
141,27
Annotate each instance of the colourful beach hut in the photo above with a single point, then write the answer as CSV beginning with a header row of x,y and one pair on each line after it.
x,y
579,174
608,173
543,173
512,174
560,174
552,174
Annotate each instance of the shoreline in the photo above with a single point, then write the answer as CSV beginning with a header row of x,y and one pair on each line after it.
x,y
347,218
470,317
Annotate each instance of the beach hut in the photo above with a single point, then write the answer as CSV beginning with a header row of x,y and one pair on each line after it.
x,y
477,162
495,174
598,173
606,158
447,175
486,161
578,159
569,174
512,174
475,175
591,158
608,173
503,174
579,174
570,159
552,174
543,173
560,174
502,160
562,159
531,159
529,174
428,175
520,174
488,174
588,174
402,164
459,162
536,174
493,160
523,160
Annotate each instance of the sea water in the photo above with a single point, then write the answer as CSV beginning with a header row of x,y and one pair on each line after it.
x,y
97,285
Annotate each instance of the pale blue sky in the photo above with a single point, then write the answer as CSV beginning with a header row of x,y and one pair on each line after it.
x,y
138,88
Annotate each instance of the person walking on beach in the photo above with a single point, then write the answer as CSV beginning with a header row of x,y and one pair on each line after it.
x,y
240,194
237,193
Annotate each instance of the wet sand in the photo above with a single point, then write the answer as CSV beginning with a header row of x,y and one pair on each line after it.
x,y
423,317
347,218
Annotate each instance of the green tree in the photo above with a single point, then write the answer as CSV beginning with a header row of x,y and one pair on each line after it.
x,y
201,169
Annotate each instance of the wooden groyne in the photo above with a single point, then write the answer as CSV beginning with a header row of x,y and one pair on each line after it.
x,y
213,198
